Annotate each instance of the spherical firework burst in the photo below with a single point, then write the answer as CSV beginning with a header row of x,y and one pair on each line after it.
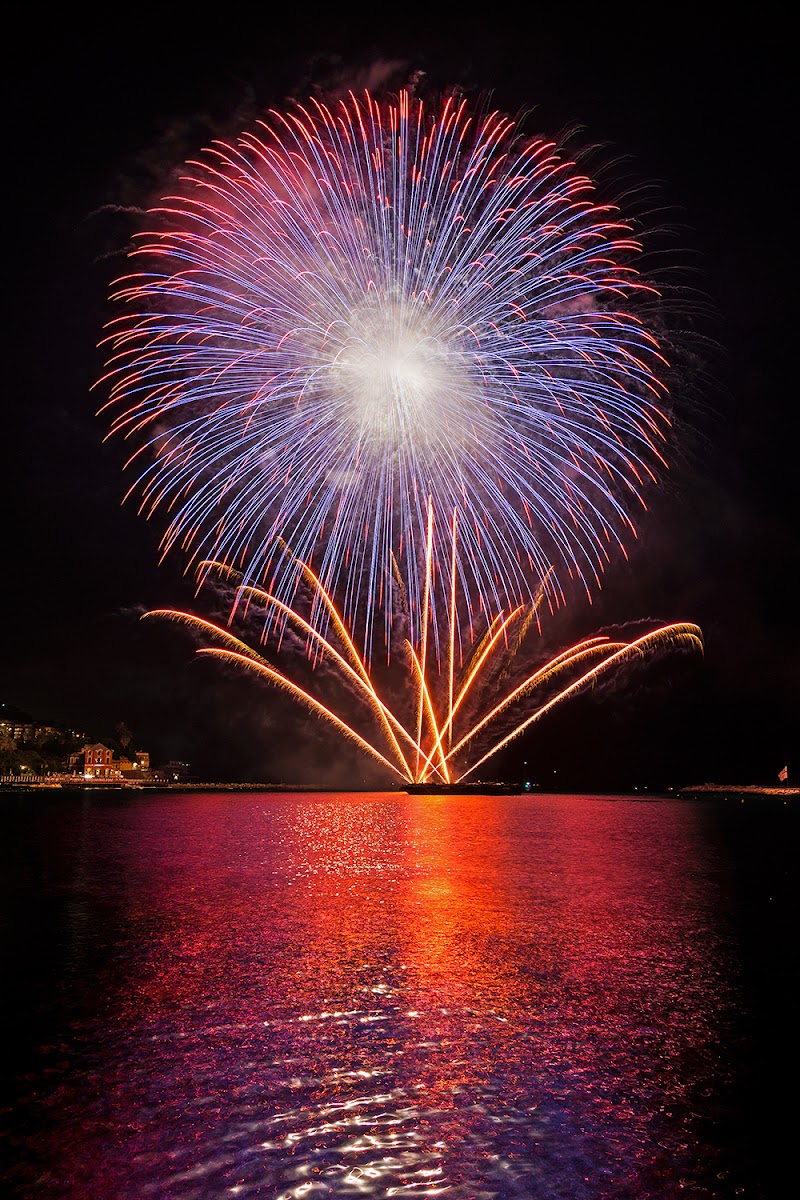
x,y
365,313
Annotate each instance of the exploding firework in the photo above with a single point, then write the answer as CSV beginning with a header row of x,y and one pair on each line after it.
x,y
366,310
397,360
453,731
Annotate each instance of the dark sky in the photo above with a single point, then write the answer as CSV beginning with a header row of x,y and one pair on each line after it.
x,y
99,115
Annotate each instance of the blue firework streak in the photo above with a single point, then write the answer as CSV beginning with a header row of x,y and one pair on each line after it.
x,y
364,313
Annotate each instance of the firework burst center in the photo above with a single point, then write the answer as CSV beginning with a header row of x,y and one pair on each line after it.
x,y
404,380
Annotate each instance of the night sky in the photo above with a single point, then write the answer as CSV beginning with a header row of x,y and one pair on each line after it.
x,y
98,119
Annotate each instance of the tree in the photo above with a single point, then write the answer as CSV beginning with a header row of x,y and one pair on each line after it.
x,y
124,735
9,755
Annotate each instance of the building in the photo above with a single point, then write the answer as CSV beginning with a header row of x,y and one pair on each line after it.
x,y
20,726
175,771
95,762
138,764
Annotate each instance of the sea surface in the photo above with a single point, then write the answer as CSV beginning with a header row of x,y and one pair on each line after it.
x,y
379,995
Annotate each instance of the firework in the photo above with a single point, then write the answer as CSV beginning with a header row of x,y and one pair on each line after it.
x,y
364,318
455,731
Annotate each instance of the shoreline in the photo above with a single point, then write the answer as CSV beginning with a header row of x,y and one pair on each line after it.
x,y
737,791
702,791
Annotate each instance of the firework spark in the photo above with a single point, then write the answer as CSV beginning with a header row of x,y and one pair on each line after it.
x,y
450,735
366,312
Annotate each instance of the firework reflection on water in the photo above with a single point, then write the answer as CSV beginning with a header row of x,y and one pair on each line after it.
x,y
385,995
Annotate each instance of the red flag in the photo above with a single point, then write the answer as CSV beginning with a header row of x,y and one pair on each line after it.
x,y
783,775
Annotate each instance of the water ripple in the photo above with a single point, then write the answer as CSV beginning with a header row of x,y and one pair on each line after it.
x,y
481,998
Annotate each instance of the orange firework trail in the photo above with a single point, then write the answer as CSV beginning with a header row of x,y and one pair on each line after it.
x,y
451,737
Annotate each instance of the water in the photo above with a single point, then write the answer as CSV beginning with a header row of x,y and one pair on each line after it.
x,y
285,996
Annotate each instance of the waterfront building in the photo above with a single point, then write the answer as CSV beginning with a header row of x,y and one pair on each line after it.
x,y
95,762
